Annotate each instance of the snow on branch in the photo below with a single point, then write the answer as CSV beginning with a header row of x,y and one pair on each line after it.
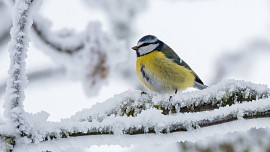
x,y
96,60
22,21
7,137
88,56
109,117
152,121
65,41
252,140
4,145
131,103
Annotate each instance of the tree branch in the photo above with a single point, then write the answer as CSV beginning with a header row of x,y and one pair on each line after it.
x,y
45,36
106,119
253,140
22,21
132,103
157,122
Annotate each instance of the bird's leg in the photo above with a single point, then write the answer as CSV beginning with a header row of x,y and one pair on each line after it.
x,y
170,98
143,93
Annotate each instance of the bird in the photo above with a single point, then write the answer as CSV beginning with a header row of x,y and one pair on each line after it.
x,y
161,70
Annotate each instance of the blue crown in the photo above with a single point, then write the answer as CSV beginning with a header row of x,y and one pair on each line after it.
x,y
148,39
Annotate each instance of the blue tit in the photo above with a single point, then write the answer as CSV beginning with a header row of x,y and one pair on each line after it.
x,y
161,70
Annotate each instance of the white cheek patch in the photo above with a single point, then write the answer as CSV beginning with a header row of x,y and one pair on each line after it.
x,y
147,49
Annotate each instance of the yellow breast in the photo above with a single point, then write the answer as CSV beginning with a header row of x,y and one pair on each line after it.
x,y
161,74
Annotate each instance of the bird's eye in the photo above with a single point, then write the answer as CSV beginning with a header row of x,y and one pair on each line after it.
x,y
145,44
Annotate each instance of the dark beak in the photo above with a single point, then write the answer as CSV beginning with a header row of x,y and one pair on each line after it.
x,y
135,48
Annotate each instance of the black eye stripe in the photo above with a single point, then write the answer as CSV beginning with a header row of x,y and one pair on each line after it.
x,y
145,44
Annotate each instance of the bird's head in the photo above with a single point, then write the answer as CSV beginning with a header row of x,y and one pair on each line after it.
x,y
146,45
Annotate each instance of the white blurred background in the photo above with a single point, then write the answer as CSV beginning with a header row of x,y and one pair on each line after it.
x,y
219,39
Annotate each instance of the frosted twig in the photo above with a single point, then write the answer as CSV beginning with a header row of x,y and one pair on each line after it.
x,y
22,21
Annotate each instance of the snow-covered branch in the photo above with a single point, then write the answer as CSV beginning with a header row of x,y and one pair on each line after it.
x,y
153,121
227,101
253,140
66,42
4,146
7,138
132,103
22,21
152,113
88,56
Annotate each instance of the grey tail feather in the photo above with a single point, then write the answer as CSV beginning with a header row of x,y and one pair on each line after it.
x,y
199,85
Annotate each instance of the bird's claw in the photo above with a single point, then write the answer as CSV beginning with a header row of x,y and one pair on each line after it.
x,y
143,93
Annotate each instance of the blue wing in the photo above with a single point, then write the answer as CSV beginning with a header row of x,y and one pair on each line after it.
x,y
169,53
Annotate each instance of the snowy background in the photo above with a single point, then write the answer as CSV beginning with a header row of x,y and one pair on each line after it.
x,y
219,39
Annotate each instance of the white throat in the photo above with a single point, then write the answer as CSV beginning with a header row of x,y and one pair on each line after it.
x,y
147,49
